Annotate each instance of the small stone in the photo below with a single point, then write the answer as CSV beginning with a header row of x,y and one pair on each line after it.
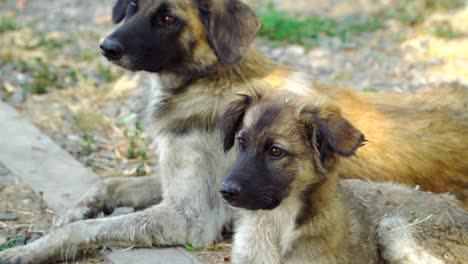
x,y
8,217
112,111
74,137
276,53
33,238
295,50
435,61
17,97
349,46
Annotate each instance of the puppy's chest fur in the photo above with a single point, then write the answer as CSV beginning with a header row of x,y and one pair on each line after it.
x,y
265,236
273,237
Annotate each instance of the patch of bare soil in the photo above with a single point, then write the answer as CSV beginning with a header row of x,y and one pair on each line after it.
x,y
216,254
23,215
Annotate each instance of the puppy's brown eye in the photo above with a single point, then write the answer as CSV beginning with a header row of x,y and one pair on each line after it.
x,y
168,20
276,152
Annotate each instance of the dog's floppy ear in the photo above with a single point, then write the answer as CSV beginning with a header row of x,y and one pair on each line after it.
x,y
123,9
232,119
231,26
329,132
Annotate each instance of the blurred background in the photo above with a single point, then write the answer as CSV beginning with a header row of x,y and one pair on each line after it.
x,y
51,71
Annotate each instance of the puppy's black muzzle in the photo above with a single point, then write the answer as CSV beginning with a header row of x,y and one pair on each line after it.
x,y
230,191
112,49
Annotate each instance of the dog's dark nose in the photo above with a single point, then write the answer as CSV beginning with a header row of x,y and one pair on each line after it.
x,y
229,191
112,49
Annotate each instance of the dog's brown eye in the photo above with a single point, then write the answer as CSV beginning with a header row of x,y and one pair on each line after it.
x,y
276,152
168,20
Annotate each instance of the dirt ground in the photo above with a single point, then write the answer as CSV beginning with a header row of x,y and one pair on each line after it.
x,y
51,70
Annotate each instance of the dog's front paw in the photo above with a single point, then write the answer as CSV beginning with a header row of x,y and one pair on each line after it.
x,y
82,212
15,256
74,214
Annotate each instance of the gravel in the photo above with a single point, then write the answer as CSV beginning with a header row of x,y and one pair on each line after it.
x,y
8,216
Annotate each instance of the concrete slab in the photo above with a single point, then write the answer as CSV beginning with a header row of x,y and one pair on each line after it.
x,y
41,163
153,256
47,168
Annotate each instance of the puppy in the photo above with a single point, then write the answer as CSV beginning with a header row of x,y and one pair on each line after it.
x,y
293,208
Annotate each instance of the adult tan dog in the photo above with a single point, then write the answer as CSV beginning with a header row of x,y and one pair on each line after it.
x,y
293,209
198,53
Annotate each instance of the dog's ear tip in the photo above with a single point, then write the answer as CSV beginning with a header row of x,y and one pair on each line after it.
x,y
231,30
118,11
227,147
116,20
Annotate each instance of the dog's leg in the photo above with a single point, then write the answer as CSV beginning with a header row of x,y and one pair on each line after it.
x,y
105,196
161,225
398,246
191,211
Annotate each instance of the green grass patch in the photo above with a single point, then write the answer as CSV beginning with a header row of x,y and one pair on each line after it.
x,y
8,23
136,144
280,26
141,171
413,12
443,29
87,146
89,163
312,30
189,247
10,244
105,72
51,44
370,90
44,75
86,55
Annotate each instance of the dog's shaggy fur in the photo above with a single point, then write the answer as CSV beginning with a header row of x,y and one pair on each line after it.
x,y
293,210
198,54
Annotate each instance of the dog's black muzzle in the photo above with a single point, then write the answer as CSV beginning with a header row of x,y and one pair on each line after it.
x,y
112,49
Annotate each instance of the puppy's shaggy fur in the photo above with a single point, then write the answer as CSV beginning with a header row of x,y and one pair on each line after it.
x,y
293,209
198,54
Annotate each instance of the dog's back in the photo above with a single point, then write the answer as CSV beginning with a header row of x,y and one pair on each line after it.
x,y
416,139
409,224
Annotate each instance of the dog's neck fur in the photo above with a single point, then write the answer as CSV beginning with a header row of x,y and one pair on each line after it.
x,y
321,234
323,217
180,103
246,70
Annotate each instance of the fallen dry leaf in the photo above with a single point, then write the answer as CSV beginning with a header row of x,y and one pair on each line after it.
x,y
21,4
9,87
104,20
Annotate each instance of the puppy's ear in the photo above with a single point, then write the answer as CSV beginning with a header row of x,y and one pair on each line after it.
x,y
124,9
231,26
330,133
232,119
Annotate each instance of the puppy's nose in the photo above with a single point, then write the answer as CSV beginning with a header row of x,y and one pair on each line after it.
x,y
112,49
229,191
